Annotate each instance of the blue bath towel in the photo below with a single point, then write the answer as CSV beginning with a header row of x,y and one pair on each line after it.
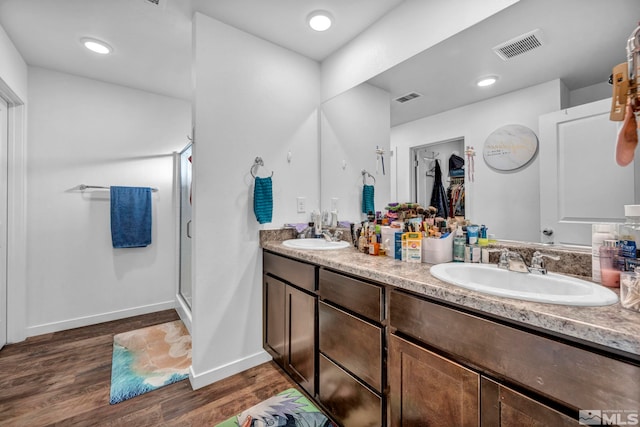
x,y
130,217
263,199
367,199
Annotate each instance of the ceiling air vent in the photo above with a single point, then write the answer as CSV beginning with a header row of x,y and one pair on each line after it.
x,y
408,97
160,3
519,45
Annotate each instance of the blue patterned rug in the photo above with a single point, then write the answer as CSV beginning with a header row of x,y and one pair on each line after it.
x,y
149,358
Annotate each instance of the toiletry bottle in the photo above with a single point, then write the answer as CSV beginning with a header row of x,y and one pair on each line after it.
x,y
599,233
458,245
609,253
629,235
472,233
362,241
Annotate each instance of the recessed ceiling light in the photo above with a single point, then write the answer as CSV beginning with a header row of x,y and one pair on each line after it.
x,y
96,46
486,81
320,20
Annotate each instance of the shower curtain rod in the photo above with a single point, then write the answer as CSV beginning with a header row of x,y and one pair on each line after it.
x,y
83,187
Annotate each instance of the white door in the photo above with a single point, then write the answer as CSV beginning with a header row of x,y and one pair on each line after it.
x,y
3,222
580,182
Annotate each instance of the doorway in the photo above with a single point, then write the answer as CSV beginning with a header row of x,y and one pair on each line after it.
x,y
185,280
4,131
423,173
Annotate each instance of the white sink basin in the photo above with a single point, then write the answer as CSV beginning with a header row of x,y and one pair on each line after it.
x,y
550,288
315,244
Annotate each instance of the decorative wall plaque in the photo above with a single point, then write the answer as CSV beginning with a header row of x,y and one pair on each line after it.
x,y
510,147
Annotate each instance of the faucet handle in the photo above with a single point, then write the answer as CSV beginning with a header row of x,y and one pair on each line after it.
x,y
503,262
537,262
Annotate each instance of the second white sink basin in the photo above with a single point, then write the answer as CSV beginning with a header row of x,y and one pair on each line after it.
x,y
315,244
549,288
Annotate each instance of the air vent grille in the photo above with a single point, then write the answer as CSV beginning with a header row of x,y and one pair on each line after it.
x,y
408,97
519,45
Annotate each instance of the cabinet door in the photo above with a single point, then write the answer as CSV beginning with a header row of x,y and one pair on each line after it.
x,y
300,333
274,318
426,389
504,407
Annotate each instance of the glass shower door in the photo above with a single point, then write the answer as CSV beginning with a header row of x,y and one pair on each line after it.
x,y
185,287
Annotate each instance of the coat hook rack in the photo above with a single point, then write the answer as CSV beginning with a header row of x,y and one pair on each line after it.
x,y
256,164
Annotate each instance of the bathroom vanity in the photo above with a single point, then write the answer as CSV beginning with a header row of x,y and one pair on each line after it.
x,y
398,347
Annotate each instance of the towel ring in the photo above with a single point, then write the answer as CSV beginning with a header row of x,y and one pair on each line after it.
x,y
364,177
256,164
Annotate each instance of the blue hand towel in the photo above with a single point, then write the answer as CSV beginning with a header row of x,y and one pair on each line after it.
x,y
263,199
367,199
130,217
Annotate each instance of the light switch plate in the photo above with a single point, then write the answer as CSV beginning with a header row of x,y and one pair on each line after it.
x,y
301,202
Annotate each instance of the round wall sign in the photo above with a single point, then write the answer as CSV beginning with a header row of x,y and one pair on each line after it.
x,y
510,147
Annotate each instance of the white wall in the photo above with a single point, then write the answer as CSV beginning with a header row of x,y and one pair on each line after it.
x,y
410,28
252,98
589,94
348,146
507,202
83,131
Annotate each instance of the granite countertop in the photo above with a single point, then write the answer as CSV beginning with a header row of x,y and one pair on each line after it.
x,y
610,327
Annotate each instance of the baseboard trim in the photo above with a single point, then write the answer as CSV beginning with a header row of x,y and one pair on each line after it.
x,y
98,318
224,371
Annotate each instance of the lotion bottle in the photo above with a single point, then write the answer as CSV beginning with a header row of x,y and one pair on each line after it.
x,y
600,233
609,253
458,245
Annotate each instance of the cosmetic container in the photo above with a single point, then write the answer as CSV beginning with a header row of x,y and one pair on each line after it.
x,y
600,233
630,289
609,271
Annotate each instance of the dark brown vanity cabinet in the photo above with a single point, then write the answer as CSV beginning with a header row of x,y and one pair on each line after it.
x,y
427,389
444,365
351,376
289,317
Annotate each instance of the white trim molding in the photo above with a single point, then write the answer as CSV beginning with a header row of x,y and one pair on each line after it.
x,y
213,375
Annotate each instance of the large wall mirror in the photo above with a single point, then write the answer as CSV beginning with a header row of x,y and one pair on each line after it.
x,y
579,43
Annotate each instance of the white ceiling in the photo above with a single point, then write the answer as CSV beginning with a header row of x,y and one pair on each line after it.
x,y
152,44
584,39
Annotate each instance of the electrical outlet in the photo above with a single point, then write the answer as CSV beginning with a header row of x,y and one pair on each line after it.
x,y
301,202
334,204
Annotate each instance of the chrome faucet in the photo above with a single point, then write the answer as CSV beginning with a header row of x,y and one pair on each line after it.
x,y
335,237
513,261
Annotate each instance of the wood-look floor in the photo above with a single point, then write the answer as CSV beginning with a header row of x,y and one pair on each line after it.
x,y
63,379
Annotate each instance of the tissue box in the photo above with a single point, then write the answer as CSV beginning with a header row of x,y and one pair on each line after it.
x,y
437,251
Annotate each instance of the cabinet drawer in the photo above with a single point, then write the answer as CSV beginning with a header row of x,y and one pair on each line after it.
x,y
355,295
353,343
348,401
578,378
295,272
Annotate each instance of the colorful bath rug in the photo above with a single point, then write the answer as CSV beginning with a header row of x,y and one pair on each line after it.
x,y
287,409
149,358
